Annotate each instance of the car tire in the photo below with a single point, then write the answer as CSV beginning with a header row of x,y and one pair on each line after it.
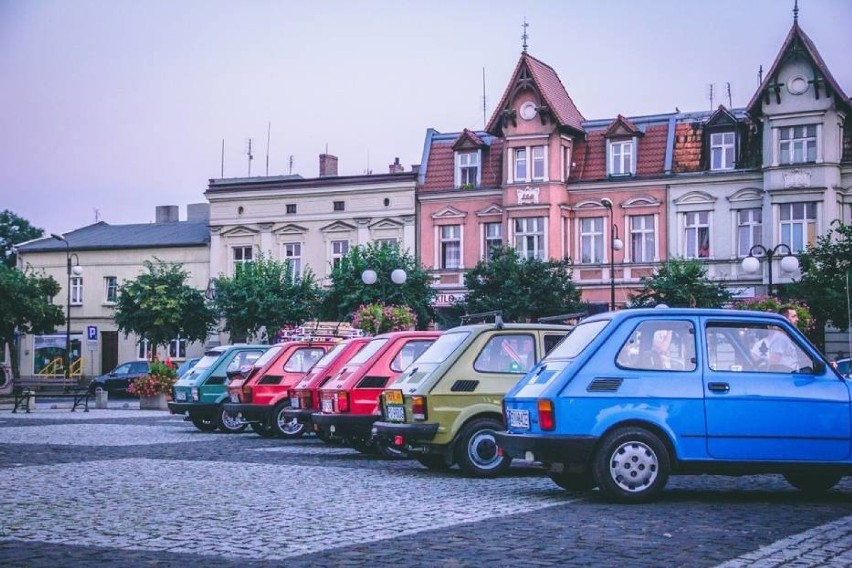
x,y
632,465
203,423
813,484
284,428
263,430
229,424
582,482
477,452
433,462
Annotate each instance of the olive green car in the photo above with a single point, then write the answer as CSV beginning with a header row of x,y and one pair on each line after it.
x,y
445,408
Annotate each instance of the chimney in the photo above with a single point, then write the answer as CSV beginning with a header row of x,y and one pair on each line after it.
x,y
167,214
328,165
396,167
198,212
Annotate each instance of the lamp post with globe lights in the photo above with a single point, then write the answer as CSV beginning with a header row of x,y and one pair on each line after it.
x,y
614,244
398,276
76,270
789,262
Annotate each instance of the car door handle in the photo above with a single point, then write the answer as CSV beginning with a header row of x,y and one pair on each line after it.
x,y
719,387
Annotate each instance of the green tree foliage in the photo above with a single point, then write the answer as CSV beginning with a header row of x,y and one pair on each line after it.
x,y
25,305
159,306
263,294
348,291
681,283
524,289
14,230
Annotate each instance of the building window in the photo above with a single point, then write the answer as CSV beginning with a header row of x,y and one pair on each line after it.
x,y
621,158
749,230
242,255
110,289
529,237
291,209
520,164
392,242
468,169
798,225
798,144
450,246
338,206
339,249
697,234
722,151
144,347
538,163
591,240
566,157
293,257
76,291
643,237
493,239
177,348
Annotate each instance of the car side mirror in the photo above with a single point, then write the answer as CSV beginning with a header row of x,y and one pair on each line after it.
x,y
819,368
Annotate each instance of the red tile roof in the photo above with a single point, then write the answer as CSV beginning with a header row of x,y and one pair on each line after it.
x,y
590,154
440,168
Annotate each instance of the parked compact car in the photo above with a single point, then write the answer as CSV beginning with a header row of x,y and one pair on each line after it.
x,y
185,367
445,409
201,392
349,400
632,397
116,381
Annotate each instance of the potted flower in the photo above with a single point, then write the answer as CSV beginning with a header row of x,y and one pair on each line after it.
x,y
380,318
154,388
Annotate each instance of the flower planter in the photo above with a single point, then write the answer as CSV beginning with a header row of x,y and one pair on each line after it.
x,y
156,402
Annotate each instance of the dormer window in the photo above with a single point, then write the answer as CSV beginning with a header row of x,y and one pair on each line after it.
x,y
722,151
467,169
621,162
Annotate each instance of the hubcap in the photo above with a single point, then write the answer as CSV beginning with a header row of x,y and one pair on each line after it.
x,y
634,466
230,422
483,450
289,426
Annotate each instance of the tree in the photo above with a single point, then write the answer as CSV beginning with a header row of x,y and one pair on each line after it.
x,y
348,291
25,305
681,283
159,306
264,295
524,289
14,230
826,276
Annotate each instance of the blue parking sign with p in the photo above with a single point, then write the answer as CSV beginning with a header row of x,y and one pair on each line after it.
x,y
92,332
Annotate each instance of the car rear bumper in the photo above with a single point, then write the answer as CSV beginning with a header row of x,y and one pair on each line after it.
x,y
410,432
301,415
345,425
547,449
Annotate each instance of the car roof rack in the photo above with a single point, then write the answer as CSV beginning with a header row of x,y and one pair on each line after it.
x,y
319,331
567,319
481,317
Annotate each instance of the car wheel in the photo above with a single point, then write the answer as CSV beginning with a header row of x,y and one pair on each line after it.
x,y
390,452
229,424
263,430
575,482
203,423
283,427
477,452
434,462
813,483
632,465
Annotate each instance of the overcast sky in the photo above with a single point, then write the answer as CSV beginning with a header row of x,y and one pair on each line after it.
x,y
111,107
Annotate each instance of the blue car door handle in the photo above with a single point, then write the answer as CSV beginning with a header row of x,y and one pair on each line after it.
x,y
719,387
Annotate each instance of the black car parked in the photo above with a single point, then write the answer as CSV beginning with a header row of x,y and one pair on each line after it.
x,y
116,381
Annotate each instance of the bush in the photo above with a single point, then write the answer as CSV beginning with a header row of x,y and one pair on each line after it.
x,y
380,318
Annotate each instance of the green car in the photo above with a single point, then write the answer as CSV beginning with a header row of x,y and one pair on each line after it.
x,y
444,409
201,393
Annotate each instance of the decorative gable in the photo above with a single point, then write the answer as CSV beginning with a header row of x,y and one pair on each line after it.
x,y
695,198
291,229
240,231
449,212
468,140
622,128
386,224
491,210
337,227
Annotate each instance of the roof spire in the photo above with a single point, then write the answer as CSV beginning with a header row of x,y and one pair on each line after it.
x,y
526,35
795,12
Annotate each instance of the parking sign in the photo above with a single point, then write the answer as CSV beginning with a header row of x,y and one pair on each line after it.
x,y
92,333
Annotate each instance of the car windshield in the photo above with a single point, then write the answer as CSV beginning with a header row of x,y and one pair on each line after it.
x,y
443,347
577,340
268,355
371,349
329,357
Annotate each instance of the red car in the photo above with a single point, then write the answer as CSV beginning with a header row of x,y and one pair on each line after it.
x,y
349,401
260,396
304,399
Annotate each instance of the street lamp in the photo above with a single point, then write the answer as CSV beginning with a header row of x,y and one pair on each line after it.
x,y
76,270
398,276
789,262
614,244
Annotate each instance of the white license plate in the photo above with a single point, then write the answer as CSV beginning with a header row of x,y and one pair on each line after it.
x,y
519,419
180,396
327,405
396,413
294,403
235,398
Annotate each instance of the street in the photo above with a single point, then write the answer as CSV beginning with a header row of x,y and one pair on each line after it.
x,y
124,487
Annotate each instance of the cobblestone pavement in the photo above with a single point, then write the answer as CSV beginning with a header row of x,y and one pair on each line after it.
x,y
124,487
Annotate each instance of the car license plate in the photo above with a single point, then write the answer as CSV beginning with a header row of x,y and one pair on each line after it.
x,y
180,396
327,405
396,413
393,396
235,398
294,402
519,419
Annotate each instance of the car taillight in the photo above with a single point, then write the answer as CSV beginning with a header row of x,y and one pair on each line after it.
x,y
343,401
246,393
194,394
307,400
546,418
418,407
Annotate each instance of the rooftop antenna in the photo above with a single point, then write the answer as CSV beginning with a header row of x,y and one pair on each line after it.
x,y
268,134
484,123
222,172
97,215
290,164
730,104
368,171
796,12
760,76
525,36
710,94
250,157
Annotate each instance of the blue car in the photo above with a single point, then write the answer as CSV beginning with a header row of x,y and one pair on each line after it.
x,y
632,397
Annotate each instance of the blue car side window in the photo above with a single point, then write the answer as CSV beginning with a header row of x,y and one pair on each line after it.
x,y
754,348
659,345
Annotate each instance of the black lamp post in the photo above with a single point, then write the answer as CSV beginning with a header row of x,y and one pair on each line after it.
x,y
77,270
789,262
614,245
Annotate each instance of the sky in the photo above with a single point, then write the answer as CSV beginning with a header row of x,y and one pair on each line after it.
x,y
109,108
